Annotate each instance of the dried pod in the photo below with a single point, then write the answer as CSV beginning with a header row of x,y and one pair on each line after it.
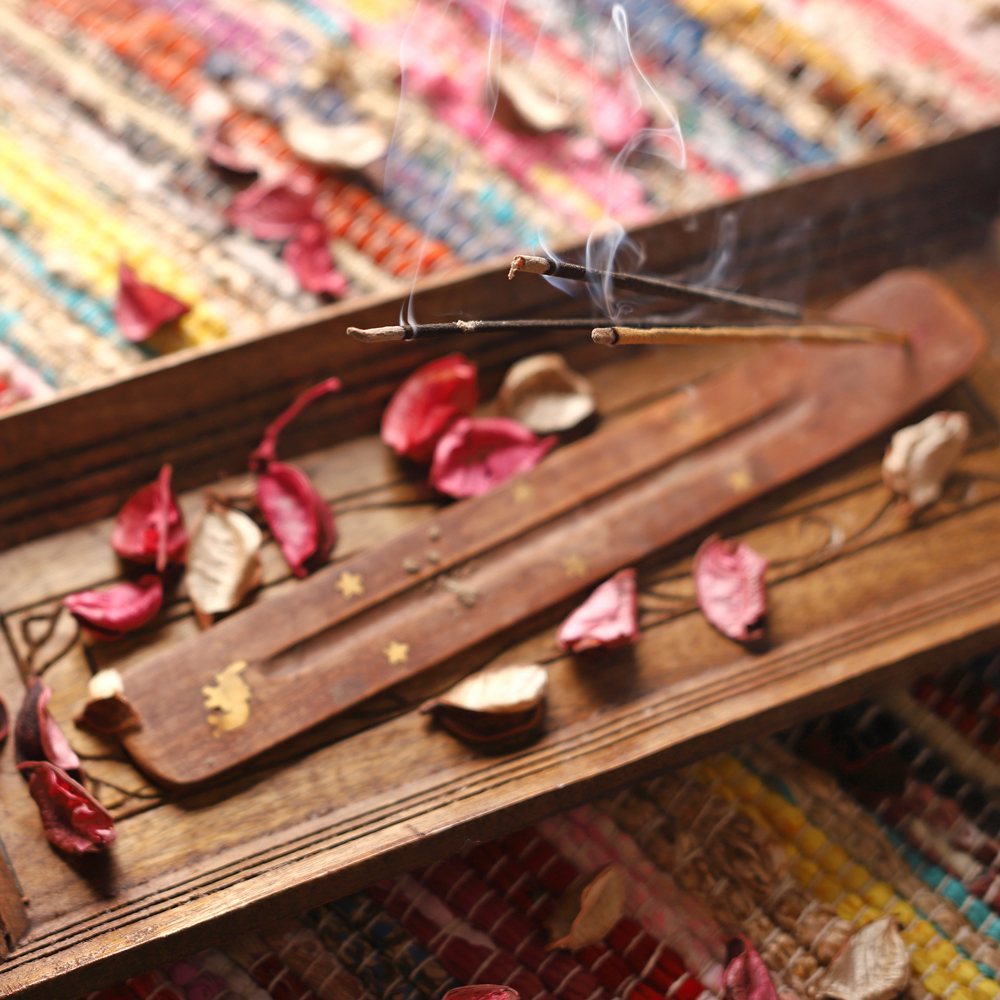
x,y
73,819
606,619
546,395
746,976
874,965
308,256
477,455
117,610
350,146
729,583
427,404
107,711
486,991
920,457
223,561
299,518
37,736
141,309
150,527
272,210
497,706
588,912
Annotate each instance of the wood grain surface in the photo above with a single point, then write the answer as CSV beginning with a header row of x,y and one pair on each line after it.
x,y
860,593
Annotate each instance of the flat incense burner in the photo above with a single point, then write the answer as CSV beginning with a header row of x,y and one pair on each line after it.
x,y
273,671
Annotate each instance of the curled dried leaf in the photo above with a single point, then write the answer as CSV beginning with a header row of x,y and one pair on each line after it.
x,y
497,706
150,527
223,561
546,395
486,991
308,256
606,619
874,965
117,610
272,210
746,976
477,455
107,711
350,146
729,583
37,736
141,308
427,404
590,910
74,821
920,457
298,516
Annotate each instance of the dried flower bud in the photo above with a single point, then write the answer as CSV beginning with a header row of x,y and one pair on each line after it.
x,y
920,457
497,706
119,609
874,965
729,583
74,821
546,395
349,146
606,619
141,309
150,527
272,211
589,911
427,404
308,256
746,976
37,736
483,992
477,455
223,562
299,518
107,711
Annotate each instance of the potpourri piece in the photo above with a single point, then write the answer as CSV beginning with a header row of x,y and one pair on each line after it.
x,y
74,821
874,965
37,736
546,395
150,527
746,976
729,582
107,711
117,610
141,308
607,619
588,912
308,256
482,992
920,457
273,210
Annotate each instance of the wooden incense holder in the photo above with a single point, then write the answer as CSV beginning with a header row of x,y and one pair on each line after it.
x,y
277,669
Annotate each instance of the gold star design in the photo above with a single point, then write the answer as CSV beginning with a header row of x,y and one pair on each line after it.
x,y
397,652
523,492
575,565
740,479
350,584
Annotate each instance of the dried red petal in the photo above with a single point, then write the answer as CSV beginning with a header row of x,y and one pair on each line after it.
x,y
299,518
308,256
272,211
122,608
476,455
37,736
427,404
746,976
487,991
606,619
729,583
141,308
150,527
74,820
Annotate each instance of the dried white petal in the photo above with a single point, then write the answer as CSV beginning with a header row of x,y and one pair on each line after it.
x,y
499,689
351,146
874,965
921,456
223,560
105,684
533,102
588,912
546,395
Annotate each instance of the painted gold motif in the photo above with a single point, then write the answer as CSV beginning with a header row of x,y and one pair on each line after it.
x,y
228,699
350,584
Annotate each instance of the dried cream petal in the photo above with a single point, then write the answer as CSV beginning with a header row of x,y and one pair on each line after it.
x,y
351,146
223,560
516,688
545,394
874,965
921,457
586,916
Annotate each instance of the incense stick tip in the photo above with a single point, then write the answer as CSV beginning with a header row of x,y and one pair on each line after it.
x,y
529,264
604,335
375,334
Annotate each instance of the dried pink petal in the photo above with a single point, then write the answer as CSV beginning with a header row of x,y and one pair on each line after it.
x,y
427,404
873,965
73,819
484,992
590,910
272,210
141,309
920,457
746,976
299,518
37,736
606,619
150,527
119,609
107,711
729,583
477,455
308,256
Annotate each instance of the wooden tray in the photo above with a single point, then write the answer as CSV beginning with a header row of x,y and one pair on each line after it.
x,y
858,593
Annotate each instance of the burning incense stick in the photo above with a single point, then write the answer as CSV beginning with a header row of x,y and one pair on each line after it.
x,y
649,286
825,333
427,331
